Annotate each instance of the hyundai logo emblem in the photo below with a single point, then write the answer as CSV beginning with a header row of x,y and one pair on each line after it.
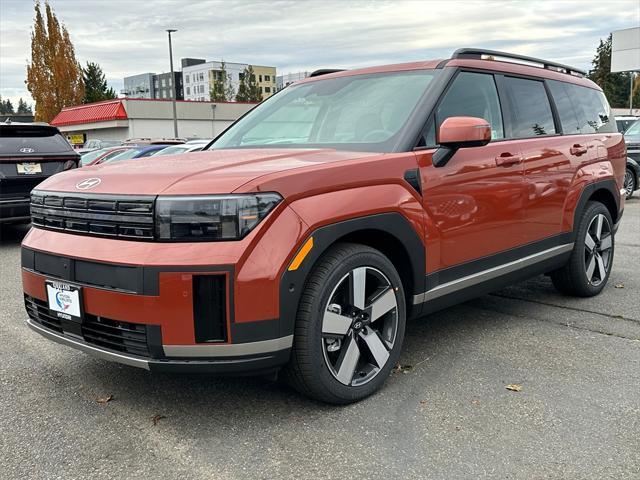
x,y
88,183
27,150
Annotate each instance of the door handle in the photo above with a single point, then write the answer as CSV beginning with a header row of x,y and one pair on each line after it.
x,y
578,150
507,160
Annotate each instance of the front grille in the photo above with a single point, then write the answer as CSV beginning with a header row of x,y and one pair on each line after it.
x,y
102,332
109,216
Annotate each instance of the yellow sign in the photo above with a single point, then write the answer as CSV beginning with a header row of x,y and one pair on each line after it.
x,y
76,139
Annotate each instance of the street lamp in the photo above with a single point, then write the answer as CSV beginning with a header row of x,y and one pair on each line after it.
x,y
173,85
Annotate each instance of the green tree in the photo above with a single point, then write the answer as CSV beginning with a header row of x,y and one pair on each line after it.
x,y
8,107
614,85
54,76
221,88
248,91
23,108
95,84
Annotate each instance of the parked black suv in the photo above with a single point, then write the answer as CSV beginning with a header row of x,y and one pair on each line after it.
x,y
29,153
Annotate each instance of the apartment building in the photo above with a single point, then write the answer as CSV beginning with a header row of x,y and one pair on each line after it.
x,y
289,78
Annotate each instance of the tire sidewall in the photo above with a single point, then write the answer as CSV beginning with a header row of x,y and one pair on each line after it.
x,y
369,258
592,210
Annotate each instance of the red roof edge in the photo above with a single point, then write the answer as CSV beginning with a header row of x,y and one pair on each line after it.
x,y
90,113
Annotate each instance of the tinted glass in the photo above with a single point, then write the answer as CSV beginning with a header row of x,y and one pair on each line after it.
x,y
531,112
592,108
89,157
40,139
126,155
472,95
357,112
633,129
566,111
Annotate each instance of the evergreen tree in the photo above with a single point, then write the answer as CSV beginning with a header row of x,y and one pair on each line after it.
x,y
249,91
8,107
54,76
1,106
615,85
23,108
221,89
95,84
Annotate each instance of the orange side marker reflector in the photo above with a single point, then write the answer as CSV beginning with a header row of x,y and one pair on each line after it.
x,y
298,259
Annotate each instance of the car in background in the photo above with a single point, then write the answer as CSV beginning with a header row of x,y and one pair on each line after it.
x,y
623,122
632,174
29,153
179,149
153,141
139,151
98,156
96,144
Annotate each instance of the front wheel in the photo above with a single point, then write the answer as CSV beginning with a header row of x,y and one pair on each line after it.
x,y
587,271
349,327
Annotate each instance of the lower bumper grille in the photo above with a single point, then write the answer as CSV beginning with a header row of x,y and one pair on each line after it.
x,y
102,332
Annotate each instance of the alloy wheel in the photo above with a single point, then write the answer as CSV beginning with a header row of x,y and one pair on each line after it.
x,y
629,183
597,245
359,326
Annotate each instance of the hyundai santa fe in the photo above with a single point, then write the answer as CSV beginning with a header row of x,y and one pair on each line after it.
x,y
308,233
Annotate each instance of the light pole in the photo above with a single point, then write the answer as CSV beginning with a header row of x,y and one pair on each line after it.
x,y
173,85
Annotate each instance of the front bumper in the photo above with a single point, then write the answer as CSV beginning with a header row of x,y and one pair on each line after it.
x,y
246,364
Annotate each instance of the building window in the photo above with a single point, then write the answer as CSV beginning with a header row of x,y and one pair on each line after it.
x,y
186,78
155,84
201,77
267,78
267,89
260,78
188,91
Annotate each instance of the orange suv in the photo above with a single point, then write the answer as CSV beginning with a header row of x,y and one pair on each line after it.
x,y
312,229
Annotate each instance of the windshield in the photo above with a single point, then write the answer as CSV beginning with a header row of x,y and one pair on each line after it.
x,y
172,150
126,155
358,112
633,129
89,157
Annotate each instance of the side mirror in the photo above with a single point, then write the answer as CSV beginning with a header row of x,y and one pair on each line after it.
x,y
460,132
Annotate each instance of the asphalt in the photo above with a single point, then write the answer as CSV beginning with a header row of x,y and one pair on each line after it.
x,y
445,415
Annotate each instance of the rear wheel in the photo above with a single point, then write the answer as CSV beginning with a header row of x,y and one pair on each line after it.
x,y
629,183
588,269
350,326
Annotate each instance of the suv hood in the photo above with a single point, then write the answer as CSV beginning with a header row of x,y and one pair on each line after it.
x,y
198,173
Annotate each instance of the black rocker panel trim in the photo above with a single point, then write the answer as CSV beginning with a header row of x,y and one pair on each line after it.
x,y
292,282
476,266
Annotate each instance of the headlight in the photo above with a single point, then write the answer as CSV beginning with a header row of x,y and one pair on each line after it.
x,y
214,217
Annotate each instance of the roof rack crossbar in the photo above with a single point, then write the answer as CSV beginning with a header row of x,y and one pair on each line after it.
x,y
325,71
479,52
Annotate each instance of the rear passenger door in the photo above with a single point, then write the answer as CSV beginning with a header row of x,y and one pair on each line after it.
x,y
546,155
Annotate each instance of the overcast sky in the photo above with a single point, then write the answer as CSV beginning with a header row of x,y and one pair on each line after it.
x,y
127,37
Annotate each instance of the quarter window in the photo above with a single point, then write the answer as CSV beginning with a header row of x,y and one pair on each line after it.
x,y
531,112
472,95
566,111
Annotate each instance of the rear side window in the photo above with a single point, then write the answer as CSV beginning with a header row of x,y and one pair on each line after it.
x,y
581,109
530,108
472,95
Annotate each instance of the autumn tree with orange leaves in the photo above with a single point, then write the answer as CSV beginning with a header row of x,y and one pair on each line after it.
x,y
54,76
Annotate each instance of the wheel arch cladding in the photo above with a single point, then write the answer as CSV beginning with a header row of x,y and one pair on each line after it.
x,y
390,233
605,192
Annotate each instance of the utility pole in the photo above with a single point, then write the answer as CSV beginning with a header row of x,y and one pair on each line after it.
x,y
173,85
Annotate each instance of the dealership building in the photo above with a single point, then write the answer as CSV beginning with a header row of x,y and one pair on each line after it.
x,y
143,118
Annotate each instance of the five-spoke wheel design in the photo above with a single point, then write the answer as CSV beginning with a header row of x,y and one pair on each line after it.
x,y
597,249
629,183
359,326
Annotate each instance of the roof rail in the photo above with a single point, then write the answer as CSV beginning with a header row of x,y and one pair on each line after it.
x,y
325,71
478,53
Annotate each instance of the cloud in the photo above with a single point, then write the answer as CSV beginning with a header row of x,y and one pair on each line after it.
x,y
128,37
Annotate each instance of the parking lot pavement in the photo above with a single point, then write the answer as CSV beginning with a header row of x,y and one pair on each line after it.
x,y
449,415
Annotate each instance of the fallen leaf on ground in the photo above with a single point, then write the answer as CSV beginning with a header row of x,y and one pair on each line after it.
x,y
619,285
403,368
514,387
423,402
156,419
104,400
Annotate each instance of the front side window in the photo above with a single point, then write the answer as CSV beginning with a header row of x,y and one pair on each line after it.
x,y
530,108
357,112
473,95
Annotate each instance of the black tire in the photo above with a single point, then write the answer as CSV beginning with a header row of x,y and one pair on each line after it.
x,y
309,369
573,278
629,183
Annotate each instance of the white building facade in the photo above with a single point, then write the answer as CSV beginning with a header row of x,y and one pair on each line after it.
x,y
196,80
